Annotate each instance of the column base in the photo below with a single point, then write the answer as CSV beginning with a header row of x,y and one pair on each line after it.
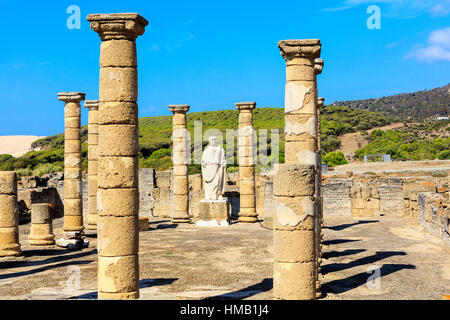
x,y
248,215
13,252
181,220
41,242
91,227
73,223
118,296
92,222
248,219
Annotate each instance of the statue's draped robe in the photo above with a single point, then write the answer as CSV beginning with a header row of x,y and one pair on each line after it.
x,y
213,171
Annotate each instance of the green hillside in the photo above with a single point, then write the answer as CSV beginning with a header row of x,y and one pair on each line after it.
x,y
155,137
416,106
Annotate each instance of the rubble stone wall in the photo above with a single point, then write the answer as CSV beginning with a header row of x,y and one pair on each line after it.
x,y
422,196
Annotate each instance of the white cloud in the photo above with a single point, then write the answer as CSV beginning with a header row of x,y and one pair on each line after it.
x,y
436,49
391,45
440,9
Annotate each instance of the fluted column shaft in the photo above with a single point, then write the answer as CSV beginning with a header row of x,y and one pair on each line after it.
x,y
180,213
118,145
247,155
73,203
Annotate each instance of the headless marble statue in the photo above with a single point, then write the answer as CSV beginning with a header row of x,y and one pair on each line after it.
x,y
213,170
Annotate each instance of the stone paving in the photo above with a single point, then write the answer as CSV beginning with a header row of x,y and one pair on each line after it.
x,y
187,262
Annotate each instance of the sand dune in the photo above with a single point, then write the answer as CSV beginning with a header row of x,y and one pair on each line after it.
x,y
16,145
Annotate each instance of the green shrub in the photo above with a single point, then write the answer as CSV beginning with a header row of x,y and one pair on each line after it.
x,y
444,155
24,173
335,158
46,168
161,153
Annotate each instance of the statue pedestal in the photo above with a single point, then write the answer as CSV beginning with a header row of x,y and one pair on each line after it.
x,y
213,213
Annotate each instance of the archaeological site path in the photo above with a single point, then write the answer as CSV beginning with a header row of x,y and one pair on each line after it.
x,y
186,262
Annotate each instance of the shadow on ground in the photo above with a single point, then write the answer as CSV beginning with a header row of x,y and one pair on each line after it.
x,y
144,283
61,255
263,286
379,255
338,241
348,225
336,254
352,282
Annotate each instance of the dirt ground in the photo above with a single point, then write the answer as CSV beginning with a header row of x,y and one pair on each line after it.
x,y
354,141
189,262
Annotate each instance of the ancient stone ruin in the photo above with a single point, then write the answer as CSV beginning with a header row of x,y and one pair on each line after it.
x,y
292,201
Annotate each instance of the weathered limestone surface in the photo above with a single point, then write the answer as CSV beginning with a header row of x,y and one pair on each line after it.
x,y
213,213
180,213
434,214
336,196
92,105
41,231
118,197
9,218
146,186
318,67
247,155
296,182
73,206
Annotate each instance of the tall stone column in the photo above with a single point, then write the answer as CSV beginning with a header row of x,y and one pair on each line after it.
x,y
92,105
318,67
118,193
73,203
295,181
320,104
180,164
9,216
247,150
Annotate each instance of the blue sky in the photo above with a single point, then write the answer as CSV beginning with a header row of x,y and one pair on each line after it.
x,y
211,54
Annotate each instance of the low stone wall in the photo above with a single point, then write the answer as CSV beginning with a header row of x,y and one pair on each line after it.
x,y
421,195
434,215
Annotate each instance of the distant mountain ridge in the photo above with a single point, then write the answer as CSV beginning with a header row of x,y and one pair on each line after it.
x,y
416,106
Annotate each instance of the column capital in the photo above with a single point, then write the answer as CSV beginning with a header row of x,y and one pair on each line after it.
x,y
91,104
67,97
320,102
179,108
245,105
118,26
308,48
318,66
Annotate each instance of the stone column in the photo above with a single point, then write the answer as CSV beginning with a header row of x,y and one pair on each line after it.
x,y
41,232
118,193
247,153
92,105
318,67
9,218
180,167
73,203
295,181
319,220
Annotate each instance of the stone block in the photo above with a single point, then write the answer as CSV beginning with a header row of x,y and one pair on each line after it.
x,y
213,213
